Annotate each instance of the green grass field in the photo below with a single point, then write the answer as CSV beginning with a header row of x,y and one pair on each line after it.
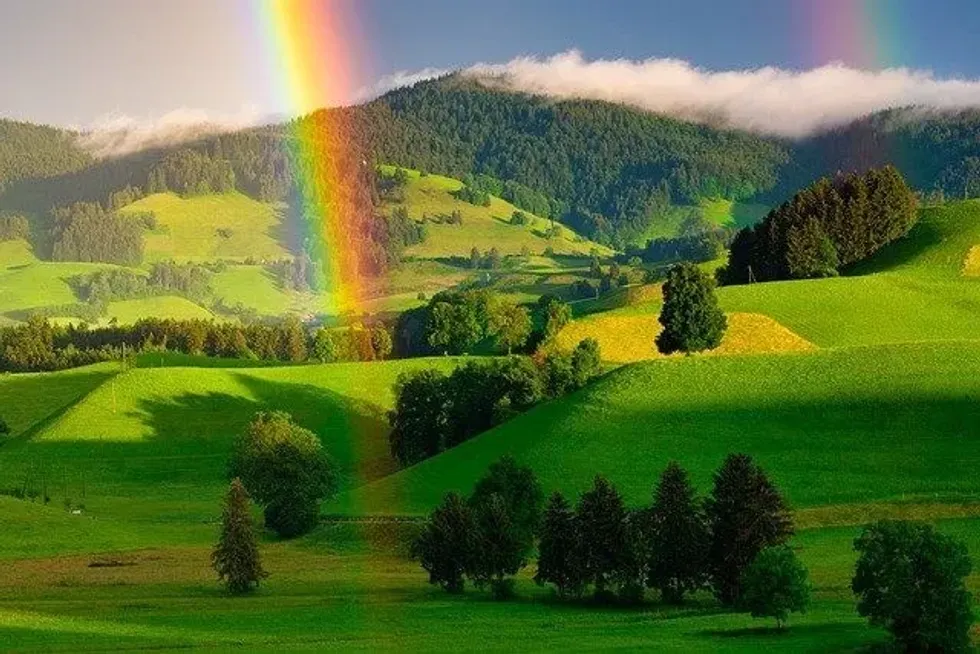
x,y
879,421
164,434
483,227
833,427
188,228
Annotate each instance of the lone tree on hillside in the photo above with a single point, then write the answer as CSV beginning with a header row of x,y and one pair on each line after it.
x,y
558,562
746,514
691,318
679,537
909,580
447,544
236,556
775,585
285,469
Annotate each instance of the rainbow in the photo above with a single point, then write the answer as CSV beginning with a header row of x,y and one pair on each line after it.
x,y
313,64
858,33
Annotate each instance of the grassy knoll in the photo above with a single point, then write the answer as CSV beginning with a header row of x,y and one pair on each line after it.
x,y
483,227
209,227
912,291
163,434
629,338
847,425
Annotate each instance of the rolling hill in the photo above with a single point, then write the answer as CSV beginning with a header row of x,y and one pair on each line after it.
x,y
849,425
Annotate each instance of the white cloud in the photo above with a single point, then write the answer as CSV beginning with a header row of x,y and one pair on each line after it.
x,y
394,81
765,100
116,134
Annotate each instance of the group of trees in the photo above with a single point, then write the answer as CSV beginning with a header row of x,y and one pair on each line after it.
x,y
87,232
435,411
191,172
733,542
829,225
38,345
456,322
165,278
14,227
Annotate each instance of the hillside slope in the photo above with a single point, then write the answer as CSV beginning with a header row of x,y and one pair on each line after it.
x,y
832,427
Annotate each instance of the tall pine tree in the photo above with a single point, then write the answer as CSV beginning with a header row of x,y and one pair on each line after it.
x,y
558,562
678,537
746,514
236,557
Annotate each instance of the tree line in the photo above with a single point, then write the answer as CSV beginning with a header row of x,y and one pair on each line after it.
x,y
435,411
39,345
825,227
909,578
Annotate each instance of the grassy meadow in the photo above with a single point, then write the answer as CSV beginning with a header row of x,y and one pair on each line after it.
x,y
860,396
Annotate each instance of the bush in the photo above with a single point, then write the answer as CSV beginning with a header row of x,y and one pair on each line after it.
x,y
774,585
909,579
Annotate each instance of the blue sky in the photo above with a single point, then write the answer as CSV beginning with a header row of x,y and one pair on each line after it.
x,y
75,61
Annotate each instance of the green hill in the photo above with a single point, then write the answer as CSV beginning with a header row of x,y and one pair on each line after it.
x,y
163,435
833,427
433,196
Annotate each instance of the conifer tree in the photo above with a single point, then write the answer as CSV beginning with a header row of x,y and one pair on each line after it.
x,y
236,556
678,537
447,544
501,550
691,318
557,549
602,543
746,513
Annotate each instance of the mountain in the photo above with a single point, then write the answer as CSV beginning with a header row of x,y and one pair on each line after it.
x,y
608,170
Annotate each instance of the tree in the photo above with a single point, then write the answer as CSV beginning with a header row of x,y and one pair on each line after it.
x,y
447,544
501,547
4,429
325,348
554,314
774,585
691,318
236,556
455,326
746,514
381,342
510,325
909,579
493,259
475,259
602,543
419,420
586,361
558,562
519,490
285,469
810,252
679,537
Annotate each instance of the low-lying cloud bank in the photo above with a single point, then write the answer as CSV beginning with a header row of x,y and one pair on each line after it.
x,y
767,100
117,135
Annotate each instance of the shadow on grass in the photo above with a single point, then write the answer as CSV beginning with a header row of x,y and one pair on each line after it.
x,y
183,459
924,236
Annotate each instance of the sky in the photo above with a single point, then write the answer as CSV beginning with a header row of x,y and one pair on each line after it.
x,y
90,62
